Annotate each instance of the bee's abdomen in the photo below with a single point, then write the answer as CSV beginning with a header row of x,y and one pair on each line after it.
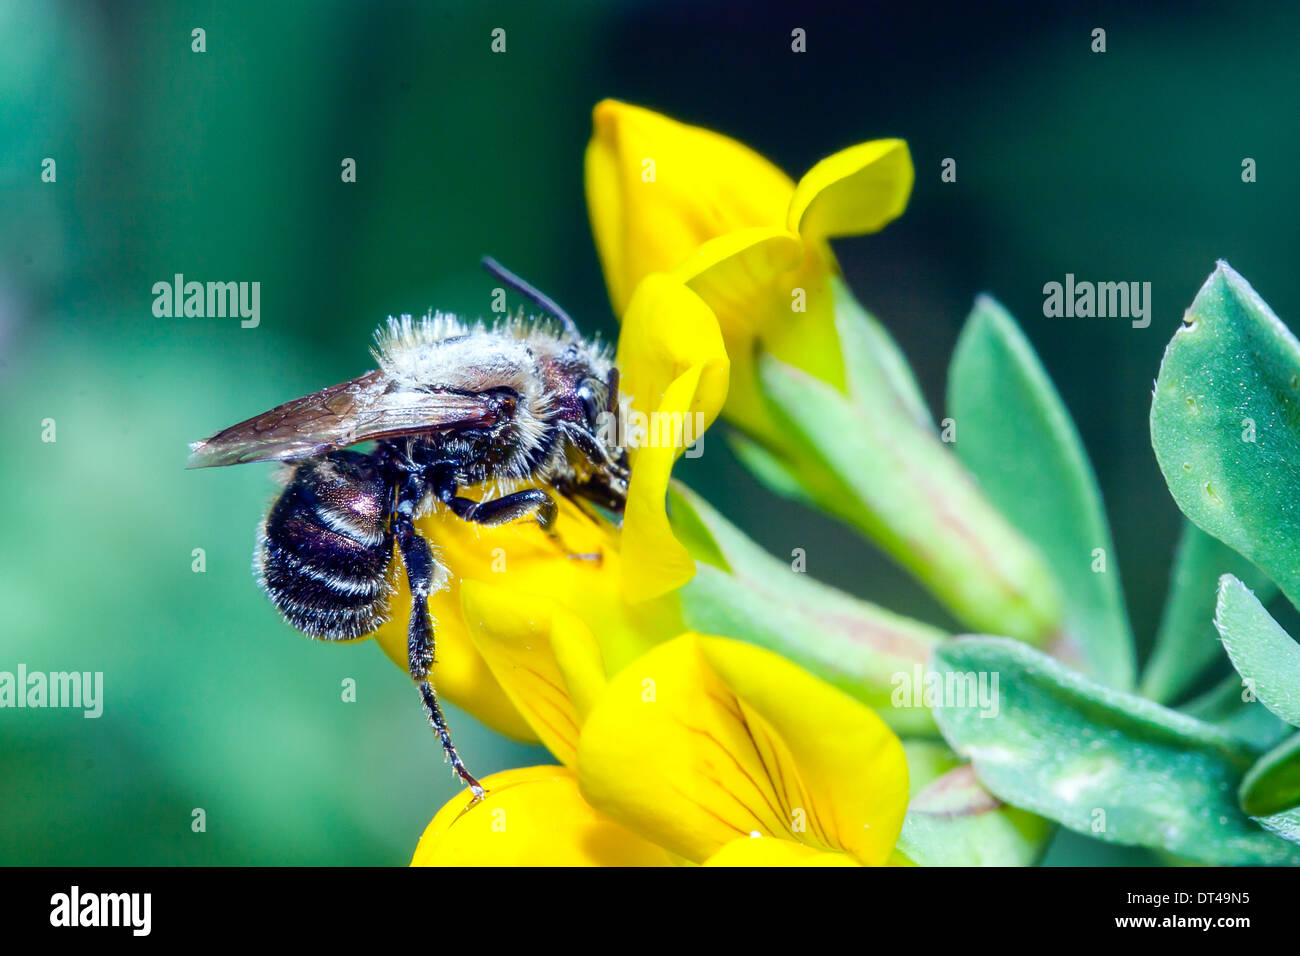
x,y
324,550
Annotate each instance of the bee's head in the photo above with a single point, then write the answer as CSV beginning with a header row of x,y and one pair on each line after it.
x,y
586,406
597,397
587,399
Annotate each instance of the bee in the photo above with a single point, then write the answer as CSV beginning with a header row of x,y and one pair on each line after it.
x,y
516,406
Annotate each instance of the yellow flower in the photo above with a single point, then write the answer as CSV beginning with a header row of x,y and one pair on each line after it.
x,y
699,742
828,409
673,363
532,816
665,196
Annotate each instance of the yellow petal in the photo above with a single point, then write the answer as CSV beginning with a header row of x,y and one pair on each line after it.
x,y
604,180
743,277
705,739
460,675
768,289
519,556
852,192
579,658
749,851
668,330
675,372
654,561
518,635
657,189
531,817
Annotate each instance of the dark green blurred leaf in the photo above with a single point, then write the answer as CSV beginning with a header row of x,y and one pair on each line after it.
x,y
769,469
1186,643
1273,784
1103,762
1015,435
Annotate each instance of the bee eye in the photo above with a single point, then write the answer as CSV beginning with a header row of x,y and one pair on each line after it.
x,y
591,403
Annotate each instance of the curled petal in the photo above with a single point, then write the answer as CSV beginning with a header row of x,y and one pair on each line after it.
x,y
544,657
676,371
744,278
855,191
657,189
748,851
705,739
668,330
533,816
579,659
654,561
767,287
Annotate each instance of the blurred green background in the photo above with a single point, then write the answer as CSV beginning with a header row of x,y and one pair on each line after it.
x,y
225,166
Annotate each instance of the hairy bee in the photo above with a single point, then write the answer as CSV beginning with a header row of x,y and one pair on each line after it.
x,y
452,404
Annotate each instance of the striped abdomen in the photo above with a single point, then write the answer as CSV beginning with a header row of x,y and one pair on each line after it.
x,y
325,548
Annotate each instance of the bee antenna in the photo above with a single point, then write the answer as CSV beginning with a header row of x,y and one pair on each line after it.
x,y
538,298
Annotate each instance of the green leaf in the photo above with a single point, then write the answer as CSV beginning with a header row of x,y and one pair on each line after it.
x,y
1265,655
868,460
873,363
1273,784
741,591
927,761
1286,825
1227,706
1014,433
1225,425
769,469
1186,643
954,821
1105,763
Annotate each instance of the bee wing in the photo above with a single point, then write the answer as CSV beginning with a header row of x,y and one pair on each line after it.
x,y
363,409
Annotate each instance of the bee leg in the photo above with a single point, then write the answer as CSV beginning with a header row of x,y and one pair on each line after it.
x,y
420,567
512,507
507,508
